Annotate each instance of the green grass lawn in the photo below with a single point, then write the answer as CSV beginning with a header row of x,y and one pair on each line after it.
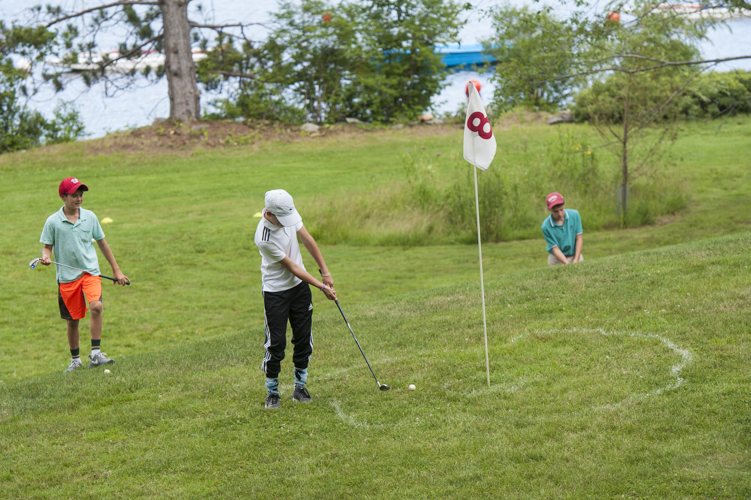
x,y
626,376
623,377
183,231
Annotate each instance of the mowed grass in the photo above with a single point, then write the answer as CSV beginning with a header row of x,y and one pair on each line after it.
x,y
623,377
626,376
183,231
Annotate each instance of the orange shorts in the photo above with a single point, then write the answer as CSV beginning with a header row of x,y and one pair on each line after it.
x,y
70,296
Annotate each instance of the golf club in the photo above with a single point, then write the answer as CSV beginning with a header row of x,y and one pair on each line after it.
x,y
33,264
381,386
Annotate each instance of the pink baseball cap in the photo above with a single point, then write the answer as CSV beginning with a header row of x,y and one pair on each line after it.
x,y
554,199
71,185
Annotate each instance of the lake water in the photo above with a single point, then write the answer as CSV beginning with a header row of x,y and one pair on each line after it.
x,y
140,104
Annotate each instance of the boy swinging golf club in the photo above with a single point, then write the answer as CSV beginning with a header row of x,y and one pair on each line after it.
x,y
286,291
69,233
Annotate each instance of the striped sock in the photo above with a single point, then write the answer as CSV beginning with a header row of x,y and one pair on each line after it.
x,y
75,353
301,376
272,385
95,344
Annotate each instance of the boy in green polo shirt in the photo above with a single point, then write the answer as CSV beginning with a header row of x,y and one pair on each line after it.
x,y
69,233
563,232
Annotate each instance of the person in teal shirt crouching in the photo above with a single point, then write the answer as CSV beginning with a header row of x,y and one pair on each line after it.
x,y
563,232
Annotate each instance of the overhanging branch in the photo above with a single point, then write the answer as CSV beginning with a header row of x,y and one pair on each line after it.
x,y
664,64
94,9
127,54
223,26
236,73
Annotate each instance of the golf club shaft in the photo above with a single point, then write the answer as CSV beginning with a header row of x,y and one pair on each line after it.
x,y
384,387
358,343
71,267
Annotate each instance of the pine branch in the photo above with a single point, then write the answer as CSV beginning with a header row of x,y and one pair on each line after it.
x,y
94,9
235,73
131,52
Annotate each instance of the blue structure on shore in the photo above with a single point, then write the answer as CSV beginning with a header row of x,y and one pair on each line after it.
x,y
457,56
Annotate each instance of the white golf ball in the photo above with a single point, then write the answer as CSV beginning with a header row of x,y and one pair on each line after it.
x,y
106,371
412,387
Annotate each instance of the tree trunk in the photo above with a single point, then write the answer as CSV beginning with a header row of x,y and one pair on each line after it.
x,y
184,96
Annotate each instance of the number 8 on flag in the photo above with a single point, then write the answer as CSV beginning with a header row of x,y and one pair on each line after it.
x,y
479,143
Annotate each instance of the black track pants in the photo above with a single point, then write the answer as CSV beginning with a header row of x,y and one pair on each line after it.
x,y
296,306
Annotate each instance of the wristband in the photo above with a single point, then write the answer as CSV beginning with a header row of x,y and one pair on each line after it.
x,y
324,286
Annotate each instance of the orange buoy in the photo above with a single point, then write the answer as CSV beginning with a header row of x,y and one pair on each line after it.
x,y
478,86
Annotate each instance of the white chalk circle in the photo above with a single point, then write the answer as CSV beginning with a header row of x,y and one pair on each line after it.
x,y
676,380
533,376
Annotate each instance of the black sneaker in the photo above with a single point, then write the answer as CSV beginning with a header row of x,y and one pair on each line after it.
x,y
272,400
301,394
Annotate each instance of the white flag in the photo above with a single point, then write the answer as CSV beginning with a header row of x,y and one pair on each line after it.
x,y
479,143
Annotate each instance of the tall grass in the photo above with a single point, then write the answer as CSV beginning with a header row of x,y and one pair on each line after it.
x,y
434,201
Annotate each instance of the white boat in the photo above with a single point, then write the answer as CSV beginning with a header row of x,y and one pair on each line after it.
x,y
93,61
697,12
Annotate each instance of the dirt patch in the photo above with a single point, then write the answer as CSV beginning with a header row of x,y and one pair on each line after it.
x,y
179,137
176,137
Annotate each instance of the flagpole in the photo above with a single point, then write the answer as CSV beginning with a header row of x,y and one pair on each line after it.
x,y
482,283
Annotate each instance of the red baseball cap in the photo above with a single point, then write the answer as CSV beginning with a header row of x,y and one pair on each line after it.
x,y
71,185
554,199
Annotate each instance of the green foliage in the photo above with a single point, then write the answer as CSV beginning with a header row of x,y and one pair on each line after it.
x,y
532,49
630,95
709,95
24,128
324,62
20,127
261,90
403,71
714,94
321,54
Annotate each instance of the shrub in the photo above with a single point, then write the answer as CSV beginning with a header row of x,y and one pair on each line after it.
x,y
709,95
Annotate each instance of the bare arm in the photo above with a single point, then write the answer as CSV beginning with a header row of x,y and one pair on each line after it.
x,y
304,275
559,255
46,255
315,252
578,251
119,276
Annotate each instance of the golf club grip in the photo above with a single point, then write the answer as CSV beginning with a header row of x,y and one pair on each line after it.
x,y
113,279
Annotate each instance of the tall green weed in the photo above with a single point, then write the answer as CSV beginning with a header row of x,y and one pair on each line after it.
x,y
434,201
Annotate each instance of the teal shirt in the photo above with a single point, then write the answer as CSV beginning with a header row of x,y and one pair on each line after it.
x,y
563,236
72,243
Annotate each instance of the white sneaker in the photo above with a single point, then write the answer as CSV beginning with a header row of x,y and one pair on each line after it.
x,y
75,364
99,359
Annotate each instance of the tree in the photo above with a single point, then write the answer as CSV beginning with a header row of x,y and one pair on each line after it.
x,y
405,71
374,61
528,44
643,104
150,25
650,59
20,127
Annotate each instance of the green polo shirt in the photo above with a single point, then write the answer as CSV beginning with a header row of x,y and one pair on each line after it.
x,y
72,243
563,236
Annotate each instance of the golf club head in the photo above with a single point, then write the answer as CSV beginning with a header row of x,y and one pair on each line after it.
x,y
34,263
383,387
